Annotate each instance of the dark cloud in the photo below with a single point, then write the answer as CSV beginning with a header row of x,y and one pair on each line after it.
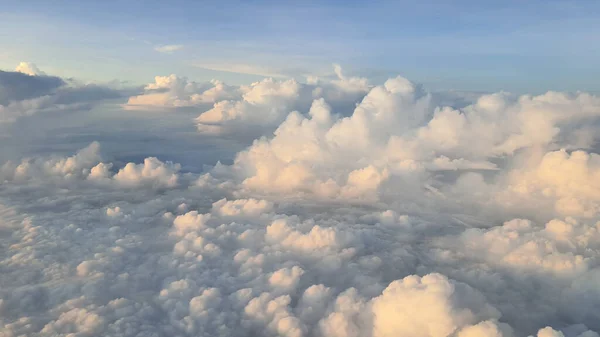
x,y
90,93
23,95
16,86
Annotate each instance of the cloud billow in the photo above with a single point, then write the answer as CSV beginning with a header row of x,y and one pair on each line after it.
x,y
359,210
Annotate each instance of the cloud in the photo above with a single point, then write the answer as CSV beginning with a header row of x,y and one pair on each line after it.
x,y
265,104
563,181
430,305
245,265
176,92
153,172
86,165
359,210
168,48
17,86
554,249
241,68
29,69
29,91
398,144
248,111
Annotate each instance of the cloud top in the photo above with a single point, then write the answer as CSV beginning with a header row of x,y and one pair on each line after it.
x,y
353,209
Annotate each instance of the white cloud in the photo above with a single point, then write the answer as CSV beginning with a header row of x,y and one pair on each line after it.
x,y
397,145
265,104
87,166
174,92
241,68
242,207
168,48
567,182
152,172
425,306
29,69
391,217
561,247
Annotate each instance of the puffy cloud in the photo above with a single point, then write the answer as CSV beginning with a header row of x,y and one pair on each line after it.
x,y
77,166
549,332
428,306
559,257
114,211
399,145
501,123
87,166
248,111
561,248
242,207
352,157
567,182
243,267
265,104
174,92
393,217
29,69
152,172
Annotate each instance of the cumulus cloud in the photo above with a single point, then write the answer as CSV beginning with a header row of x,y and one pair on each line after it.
x,y
87,166
243,267
152,171
398,145
252,110
265,104
29,69
360,210
175,92
566,182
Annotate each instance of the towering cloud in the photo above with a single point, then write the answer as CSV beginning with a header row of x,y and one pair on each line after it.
x,y
265,104
501,151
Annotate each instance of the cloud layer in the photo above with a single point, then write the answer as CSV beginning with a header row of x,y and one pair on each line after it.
x,y
28,91
358,210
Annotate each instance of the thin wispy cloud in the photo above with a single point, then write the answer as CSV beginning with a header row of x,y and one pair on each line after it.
x,y
241,68
169,48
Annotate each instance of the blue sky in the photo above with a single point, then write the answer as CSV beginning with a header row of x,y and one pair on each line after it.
x,y
517,46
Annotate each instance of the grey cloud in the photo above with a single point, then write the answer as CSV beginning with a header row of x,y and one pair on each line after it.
x,y
90,93
16,86
23,95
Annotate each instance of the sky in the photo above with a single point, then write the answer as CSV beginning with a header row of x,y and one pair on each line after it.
x,y
324,169
517,46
